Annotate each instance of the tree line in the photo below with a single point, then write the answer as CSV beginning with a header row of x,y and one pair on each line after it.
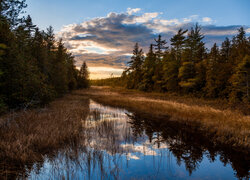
x,y
35,68
188,67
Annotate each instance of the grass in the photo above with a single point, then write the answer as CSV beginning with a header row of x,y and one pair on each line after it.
x,y
222,125
26,136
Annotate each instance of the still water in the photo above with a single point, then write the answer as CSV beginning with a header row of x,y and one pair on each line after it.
x,y
117,144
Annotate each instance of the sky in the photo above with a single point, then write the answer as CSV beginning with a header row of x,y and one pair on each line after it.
x,y
103,32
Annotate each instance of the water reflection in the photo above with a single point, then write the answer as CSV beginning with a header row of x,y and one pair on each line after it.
x,y
117,144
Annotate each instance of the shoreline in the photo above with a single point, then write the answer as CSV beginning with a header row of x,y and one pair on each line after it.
x,y
35,132
223,126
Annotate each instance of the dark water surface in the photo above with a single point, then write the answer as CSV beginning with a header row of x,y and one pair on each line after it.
x,y
117,144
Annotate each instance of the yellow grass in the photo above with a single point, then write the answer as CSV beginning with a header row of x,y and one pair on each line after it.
x,y
224,126
28,135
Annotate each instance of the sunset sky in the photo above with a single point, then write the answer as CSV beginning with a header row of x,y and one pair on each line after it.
x,y
103,32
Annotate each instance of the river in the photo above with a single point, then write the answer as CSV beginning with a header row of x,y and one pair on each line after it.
x,y
117,144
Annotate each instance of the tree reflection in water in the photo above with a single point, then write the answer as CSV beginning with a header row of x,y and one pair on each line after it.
x,y
188,145
116,144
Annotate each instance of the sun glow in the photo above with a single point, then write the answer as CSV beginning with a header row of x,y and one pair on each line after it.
x,y
104,72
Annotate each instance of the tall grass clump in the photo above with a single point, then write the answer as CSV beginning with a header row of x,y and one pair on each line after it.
x,y
26,136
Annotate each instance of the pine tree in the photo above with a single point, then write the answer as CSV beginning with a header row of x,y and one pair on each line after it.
x,y
171,69
148,70
213,69
177,43
135,67
2,52
32,67
240,81
226,68
10,10
225,50
59,70
83,76
172,62
192,64
160,49
50,39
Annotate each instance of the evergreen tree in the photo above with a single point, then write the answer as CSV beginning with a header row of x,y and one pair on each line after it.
x,y
160,49
172,62
135,67
2,52
148,69
225,50
33,70
213,70
192,64
177,43
171,69
83,76
226,68
59,70
10,10
188,68
240,81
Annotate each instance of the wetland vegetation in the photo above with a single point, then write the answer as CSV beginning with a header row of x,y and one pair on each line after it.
x,y
91,140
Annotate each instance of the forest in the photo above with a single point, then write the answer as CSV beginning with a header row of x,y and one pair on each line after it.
x,y
35,67
187,67
178,111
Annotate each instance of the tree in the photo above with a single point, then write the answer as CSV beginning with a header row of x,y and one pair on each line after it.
x,y
193,55
239,47
135,67
148,70
213,71
189,68
160,49
72,72
2,52
10,10
171,66
83,76
33,70
226,68
240,81
172,62
59,70
177,43
225,50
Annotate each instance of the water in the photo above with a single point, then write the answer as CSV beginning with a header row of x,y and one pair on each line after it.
x,y
117,144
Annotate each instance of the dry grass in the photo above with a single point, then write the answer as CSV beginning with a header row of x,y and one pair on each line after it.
x,y
221,104
225,127
28,135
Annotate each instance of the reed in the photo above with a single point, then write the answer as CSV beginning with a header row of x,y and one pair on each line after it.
x,y
224,126
28,135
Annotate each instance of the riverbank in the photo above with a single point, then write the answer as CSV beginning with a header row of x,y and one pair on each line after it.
x,y
29,136
222,125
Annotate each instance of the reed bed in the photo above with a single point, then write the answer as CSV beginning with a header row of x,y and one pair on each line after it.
x,y
222,126
26,136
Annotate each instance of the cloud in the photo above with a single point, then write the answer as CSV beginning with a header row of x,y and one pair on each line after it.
x,y
106,41
248,30
207,20
132,11
146,17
